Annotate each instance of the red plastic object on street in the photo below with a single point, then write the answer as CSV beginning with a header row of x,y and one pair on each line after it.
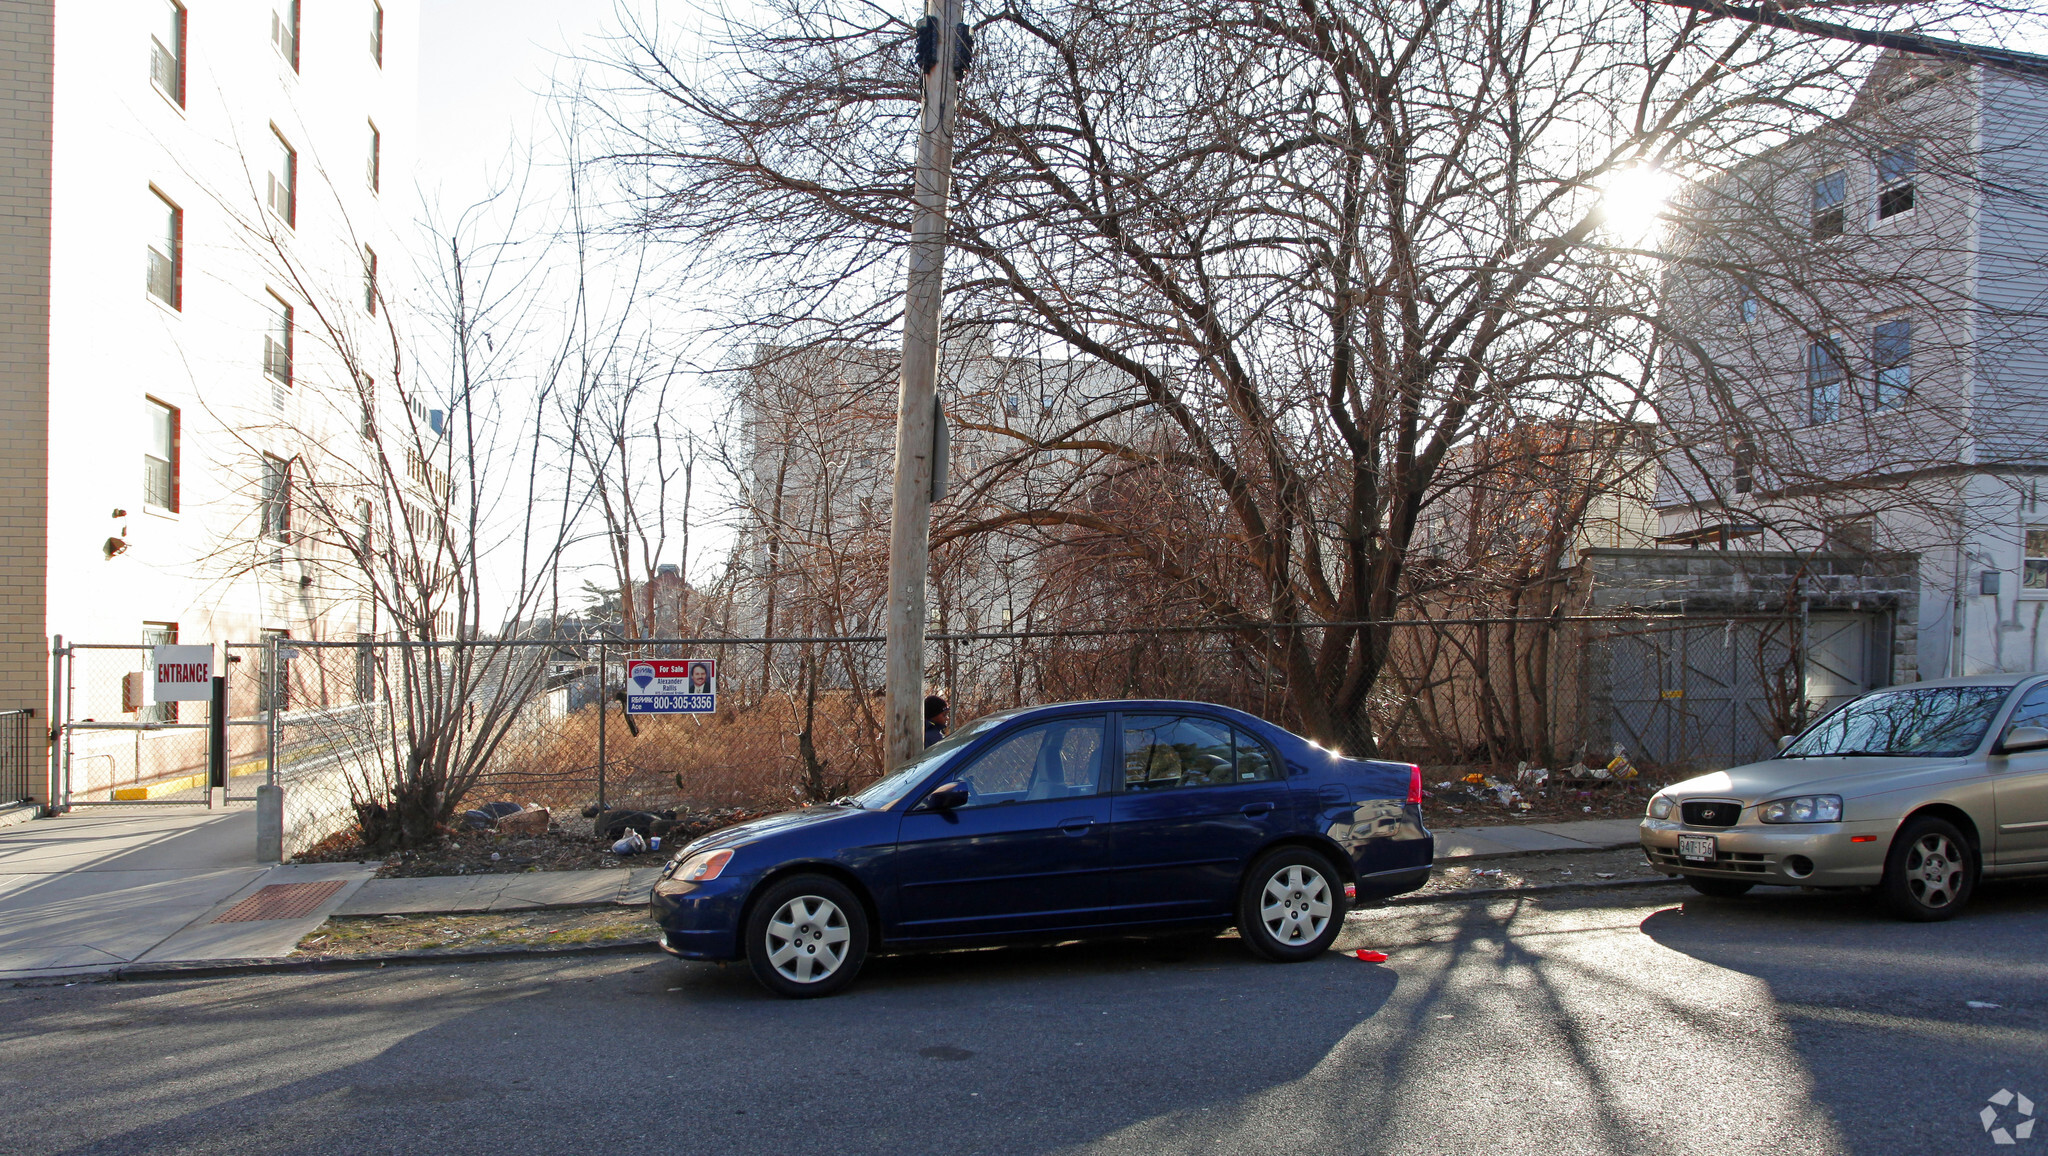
x,y
1371,956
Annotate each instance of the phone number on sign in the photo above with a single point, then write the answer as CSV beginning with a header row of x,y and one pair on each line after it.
x,y
678,703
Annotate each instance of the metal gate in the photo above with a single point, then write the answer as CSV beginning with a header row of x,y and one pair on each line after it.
x,y
112,747
1693,694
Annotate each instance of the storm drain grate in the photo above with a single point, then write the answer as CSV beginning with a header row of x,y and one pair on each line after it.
x,y
281,901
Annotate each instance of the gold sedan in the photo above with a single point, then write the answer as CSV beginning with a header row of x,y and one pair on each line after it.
x,y
1916,790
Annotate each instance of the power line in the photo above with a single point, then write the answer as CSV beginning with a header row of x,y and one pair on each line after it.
x,y
1919,44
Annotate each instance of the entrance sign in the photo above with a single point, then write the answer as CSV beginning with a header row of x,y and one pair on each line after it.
x,y
181,673
672,685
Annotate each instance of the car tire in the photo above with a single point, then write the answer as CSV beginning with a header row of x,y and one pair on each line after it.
x,y
1719,888
1290,907
806,936
1930,871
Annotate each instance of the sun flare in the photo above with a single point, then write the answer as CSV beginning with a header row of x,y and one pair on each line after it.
x,y
1634,201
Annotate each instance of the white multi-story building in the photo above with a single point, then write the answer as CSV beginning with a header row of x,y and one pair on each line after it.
x,y
201,195
1868,369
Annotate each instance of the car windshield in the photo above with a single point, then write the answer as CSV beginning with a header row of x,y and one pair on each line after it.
x,y
892,789
1943,721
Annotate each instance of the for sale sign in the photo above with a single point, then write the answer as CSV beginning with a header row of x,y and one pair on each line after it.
x,y
182,673
672,685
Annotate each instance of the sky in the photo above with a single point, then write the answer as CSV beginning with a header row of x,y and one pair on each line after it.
x,y
484,69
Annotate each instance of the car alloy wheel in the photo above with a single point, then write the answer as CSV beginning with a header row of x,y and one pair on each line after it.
x,y
806,936
1287,908
807,939
1296,905
1934,870
1930,871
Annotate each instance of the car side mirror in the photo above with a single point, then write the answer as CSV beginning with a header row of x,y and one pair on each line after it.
x,y
945,798
2023,739
1785,741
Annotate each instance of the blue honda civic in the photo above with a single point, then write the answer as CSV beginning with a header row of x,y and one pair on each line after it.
x,y
1019,828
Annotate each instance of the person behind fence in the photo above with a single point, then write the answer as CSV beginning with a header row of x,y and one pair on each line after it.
x,y
934,719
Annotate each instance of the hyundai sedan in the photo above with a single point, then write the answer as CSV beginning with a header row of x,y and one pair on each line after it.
x,y
1055,823
1915,790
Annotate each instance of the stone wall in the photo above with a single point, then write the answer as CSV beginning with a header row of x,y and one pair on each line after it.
x,y
1722,582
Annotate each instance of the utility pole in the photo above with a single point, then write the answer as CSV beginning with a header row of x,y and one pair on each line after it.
x,y
943,49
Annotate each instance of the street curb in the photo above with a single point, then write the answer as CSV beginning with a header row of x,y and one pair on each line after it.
x,y
438,912
214,968
1579,850
1478,894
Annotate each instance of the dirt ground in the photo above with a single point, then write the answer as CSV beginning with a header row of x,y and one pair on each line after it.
x,y
377,934
569,845
1450,802
1454,875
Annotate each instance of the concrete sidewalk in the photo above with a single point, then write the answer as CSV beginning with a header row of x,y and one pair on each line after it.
x,y
1523,838
102,887
89,892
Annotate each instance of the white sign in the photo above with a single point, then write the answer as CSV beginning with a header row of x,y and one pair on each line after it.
x,y
670,686
182,673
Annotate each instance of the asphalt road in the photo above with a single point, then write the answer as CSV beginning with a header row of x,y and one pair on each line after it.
x,y
1644,1021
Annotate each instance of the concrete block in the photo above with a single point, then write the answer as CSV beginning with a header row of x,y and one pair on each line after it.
x,y
269,824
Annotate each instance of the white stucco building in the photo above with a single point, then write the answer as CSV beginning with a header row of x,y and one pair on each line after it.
x,y
204,181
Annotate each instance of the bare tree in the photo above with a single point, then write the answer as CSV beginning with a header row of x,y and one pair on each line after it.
x,y
1320,246
413,507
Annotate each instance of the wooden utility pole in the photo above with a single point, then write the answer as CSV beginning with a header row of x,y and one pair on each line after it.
x,y
940,53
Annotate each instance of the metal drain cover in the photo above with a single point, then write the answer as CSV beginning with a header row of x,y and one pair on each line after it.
x,y
281,901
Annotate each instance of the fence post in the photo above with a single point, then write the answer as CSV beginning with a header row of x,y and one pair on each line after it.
x,y
270,675
604,707
53,800
217,734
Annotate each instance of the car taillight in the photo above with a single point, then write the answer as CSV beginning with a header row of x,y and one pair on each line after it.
x,y
1414,784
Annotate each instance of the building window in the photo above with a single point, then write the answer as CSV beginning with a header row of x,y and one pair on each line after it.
x,y
1744,471
2035,574
158,634
167,51
166,251
377,33
1830,199
1823,382
370,280
1895,171
1891,348
1745,302
160,456
276,498
283,191
376,158
284,31
277,342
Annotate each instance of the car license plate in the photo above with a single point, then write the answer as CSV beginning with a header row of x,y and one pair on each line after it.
x,y
1698,847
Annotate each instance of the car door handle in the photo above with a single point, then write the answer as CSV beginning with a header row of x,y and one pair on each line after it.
x,y
1076,826
1256,810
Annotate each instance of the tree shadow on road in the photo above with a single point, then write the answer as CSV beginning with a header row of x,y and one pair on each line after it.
x,y
1881,1010
1012,1051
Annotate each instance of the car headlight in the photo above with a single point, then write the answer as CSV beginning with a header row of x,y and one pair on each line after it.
x,y
1804,809
700,868
1660,807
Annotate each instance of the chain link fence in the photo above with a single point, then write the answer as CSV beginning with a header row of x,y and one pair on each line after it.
x,y
545,721
342,725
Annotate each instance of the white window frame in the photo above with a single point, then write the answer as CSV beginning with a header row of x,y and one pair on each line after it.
x,y
175,219
153,409
174,53
2027,557
285,207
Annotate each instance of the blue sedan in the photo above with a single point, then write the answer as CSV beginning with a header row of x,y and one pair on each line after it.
x,y
1020,827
